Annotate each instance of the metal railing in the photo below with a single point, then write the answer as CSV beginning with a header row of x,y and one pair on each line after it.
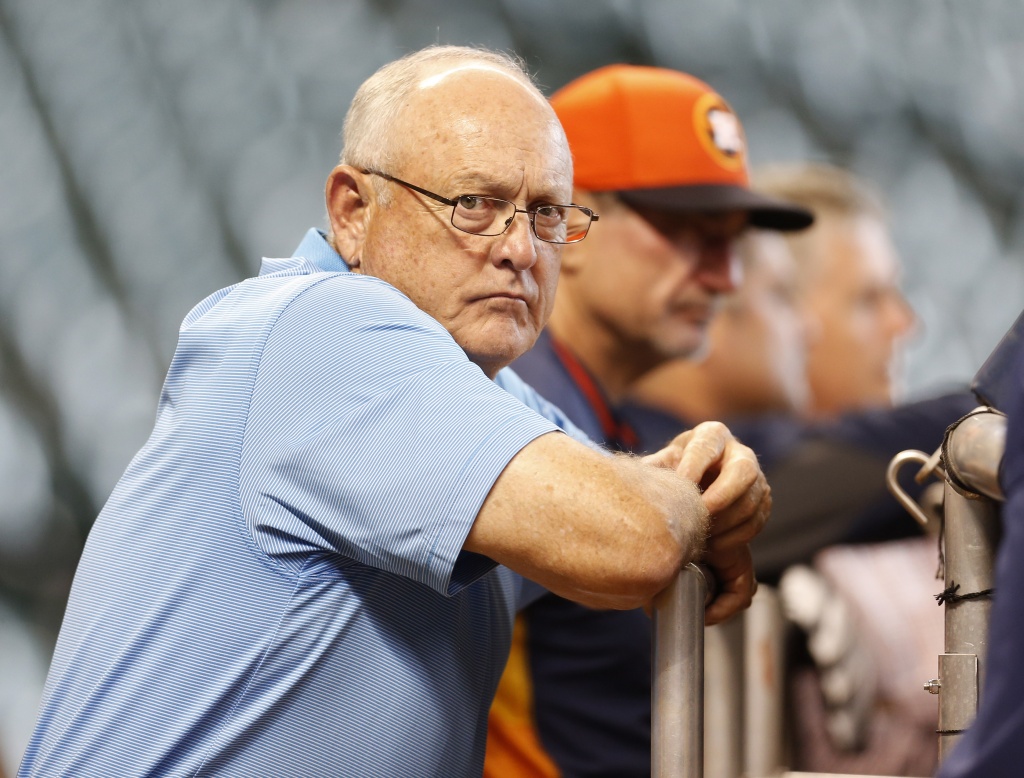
x,y
968,465
739,663
677,700
742,663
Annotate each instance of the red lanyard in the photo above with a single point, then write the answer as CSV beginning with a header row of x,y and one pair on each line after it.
x,y
617,433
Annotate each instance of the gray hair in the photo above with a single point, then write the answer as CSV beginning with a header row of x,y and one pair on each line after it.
x,y
368,137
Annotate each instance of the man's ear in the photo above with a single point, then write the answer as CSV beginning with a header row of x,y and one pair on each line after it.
x,y
348,198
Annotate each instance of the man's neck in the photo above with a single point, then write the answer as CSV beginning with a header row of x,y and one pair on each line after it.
x,y
615,366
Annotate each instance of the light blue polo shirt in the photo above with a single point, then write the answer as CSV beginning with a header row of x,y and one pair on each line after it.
x,y
276,586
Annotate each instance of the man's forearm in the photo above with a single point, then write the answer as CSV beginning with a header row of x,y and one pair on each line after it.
x,y
608,532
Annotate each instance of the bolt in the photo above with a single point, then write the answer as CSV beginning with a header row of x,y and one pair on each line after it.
x,y
933,686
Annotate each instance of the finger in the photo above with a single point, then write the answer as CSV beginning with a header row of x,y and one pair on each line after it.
x,y
728,603
736,594
736,527
735,574
739,474
730,565
670,455
703,449
746,508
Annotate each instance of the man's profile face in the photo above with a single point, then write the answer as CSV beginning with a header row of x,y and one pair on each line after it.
x,y
861,314
758,341
474,131
652,278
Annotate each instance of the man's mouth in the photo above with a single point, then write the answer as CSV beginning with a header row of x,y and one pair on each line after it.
x,y
695,312
503,296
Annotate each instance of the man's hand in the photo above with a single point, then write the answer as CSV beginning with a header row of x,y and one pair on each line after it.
x,y
738,498
735,582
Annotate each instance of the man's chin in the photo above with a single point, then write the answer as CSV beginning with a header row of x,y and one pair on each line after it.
x,y
692,344
493,356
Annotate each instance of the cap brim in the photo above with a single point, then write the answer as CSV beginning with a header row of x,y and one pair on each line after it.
x,y
765,212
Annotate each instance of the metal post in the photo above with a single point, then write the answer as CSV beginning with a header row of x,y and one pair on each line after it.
x,y
764,704
970,455
971,531
723,699
972,451
677,716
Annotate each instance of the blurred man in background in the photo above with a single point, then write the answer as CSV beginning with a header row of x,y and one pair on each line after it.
x,y
828,477
757,346
664,159
848,292
848,286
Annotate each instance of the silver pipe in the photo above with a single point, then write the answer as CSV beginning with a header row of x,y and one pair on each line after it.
x,y
677,715
973,451
971,454
723,698
764,705
970,537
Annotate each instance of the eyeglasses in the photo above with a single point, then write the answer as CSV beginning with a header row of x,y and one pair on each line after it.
x,y
480,215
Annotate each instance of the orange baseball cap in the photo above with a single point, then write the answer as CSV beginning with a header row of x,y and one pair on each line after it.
x,y
663,139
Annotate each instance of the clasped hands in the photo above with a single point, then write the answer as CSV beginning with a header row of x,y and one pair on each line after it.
x,y
736,494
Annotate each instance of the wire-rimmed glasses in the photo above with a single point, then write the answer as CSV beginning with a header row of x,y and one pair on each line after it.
x,y
490,216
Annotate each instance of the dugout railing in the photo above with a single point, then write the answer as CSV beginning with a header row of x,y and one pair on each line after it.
x,y
718,694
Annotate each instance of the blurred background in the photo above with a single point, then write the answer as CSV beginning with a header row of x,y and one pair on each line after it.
x,y
152,152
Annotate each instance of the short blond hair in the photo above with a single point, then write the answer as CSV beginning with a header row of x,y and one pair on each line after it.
x,y
831,193
820,188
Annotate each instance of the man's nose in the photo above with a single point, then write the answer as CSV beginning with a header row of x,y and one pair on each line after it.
x,y
517,245
719,268
901,316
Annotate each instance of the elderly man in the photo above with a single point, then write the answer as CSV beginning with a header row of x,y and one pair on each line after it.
x,y
662,157
301,573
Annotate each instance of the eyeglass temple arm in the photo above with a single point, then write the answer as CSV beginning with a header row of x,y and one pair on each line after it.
x,y
415,188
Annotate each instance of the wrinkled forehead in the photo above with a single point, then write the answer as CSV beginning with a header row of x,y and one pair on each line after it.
x,y
480,113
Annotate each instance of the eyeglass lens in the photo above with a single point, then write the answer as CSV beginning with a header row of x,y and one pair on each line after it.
x,y
490,216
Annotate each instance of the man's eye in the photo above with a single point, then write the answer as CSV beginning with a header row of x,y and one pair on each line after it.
x,y
469,202
550,213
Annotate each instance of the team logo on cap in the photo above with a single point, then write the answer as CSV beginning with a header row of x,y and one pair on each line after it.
x,y
720,132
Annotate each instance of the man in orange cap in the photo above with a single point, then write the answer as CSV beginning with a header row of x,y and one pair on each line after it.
x,y
662,157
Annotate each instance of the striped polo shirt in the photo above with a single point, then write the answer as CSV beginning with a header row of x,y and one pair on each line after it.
x,y
277,585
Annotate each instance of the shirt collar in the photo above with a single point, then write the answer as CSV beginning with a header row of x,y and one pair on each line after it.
x,y
315,249
314,254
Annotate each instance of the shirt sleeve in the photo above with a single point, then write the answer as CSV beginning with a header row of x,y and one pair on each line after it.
x,y
513,384
371,436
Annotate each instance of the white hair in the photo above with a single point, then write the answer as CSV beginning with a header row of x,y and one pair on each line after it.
x,y
369,133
